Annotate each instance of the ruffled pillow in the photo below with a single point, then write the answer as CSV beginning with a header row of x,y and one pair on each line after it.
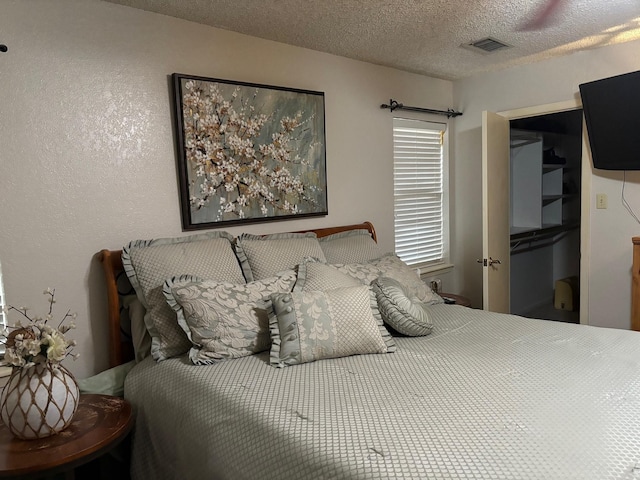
x,y
392,266
352,246
314,275
262,256
148,263
312,325
389,265
401,310
224,320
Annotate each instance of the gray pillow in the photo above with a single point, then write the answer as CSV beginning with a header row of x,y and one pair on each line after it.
x,y
264,256
224,320
353,246
401,311
309,326
389,265
138,332
148,263
314,275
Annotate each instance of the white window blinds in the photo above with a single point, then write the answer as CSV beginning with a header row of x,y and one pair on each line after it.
x,y
418,191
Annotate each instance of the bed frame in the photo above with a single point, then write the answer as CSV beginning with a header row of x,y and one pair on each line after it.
x,y
118,286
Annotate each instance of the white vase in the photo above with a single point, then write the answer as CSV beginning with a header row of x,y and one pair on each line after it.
x,y
39,401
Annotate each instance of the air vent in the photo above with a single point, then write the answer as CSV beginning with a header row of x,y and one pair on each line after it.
x,y
487,45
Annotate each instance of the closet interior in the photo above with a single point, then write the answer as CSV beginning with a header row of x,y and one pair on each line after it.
x,y
545,162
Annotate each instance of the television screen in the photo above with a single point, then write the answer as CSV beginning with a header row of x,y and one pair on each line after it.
x,y
611,109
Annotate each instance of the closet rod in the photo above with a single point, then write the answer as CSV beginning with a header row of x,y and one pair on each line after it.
x,y
393,105
542,233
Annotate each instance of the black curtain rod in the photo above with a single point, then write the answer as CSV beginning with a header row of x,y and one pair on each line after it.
x,y
393,105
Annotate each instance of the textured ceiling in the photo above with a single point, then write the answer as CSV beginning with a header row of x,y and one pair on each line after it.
x,y
421,36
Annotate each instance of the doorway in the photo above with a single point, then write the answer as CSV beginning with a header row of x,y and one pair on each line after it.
x,y
545,188
496,232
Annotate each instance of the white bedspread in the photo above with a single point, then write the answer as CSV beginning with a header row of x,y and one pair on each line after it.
x,y
485,396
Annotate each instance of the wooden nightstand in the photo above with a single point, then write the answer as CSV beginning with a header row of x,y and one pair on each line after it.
x,y
100,423
459,299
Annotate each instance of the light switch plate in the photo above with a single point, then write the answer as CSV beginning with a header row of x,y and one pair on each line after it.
x,y
601,200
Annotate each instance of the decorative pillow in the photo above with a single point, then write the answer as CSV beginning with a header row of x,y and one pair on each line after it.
x,y
401,311
309,326
148,263
320,276
264,256
353,246
224,320
389,265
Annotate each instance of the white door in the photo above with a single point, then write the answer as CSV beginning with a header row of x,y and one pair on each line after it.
x,y
495,212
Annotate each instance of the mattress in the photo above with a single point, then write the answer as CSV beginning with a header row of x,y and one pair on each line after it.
x,y
485,395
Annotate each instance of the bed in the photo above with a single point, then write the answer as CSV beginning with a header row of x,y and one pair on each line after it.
x,y
485,395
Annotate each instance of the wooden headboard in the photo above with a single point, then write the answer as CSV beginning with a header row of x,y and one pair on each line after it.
x,y
635,286
120,346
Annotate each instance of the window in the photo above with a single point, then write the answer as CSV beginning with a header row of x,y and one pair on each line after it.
x,y
419,200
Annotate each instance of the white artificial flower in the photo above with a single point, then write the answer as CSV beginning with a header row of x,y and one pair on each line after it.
x,y
32,346
57,349
13,358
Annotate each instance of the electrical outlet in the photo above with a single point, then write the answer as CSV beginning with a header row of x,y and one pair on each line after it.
x,y
601,200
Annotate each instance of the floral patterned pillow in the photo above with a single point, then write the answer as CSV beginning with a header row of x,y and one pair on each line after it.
x,y
224,320
312,325
390,265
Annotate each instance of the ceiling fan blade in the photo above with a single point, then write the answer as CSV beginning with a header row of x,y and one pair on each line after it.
x,y
543,16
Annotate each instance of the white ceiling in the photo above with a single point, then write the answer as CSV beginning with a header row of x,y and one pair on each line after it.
x,y
421,36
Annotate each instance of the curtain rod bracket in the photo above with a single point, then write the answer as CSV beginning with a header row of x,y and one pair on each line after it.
x,y
394,105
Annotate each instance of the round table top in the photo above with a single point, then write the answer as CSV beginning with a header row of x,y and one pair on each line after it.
x,y
98,425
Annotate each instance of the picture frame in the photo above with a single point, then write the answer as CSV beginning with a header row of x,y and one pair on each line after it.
x,y
248,153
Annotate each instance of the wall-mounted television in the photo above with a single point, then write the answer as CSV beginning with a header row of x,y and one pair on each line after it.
x,y
611,109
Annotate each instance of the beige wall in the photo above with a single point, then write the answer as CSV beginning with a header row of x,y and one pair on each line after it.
x,y
87,156
609,255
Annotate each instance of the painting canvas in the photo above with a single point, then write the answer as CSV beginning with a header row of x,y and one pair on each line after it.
x,y
248,153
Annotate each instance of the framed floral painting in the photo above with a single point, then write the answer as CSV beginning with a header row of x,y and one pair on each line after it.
x,y
248,153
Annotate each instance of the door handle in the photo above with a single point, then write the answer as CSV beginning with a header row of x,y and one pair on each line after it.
x,y
489,262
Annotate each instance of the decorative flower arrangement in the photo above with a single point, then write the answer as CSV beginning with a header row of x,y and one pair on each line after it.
x,y
38,342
